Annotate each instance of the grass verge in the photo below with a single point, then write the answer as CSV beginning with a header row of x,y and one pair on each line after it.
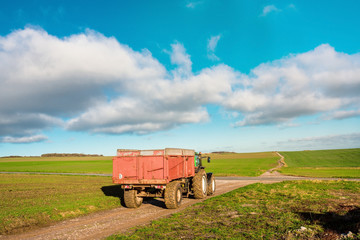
x,y
241,164
343,163
287,210
27,201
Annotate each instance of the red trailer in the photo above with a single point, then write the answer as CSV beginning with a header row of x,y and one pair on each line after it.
x,y
170,173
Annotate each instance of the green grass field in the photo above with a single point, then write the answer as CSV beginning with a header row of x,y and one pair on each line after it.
x,y
36,200
241,164
27,201
343,163
54,159
225,164
287,210
57,164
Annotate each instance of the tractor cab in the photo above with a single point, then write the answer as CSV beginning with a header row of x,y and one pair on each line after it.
x,y
198,161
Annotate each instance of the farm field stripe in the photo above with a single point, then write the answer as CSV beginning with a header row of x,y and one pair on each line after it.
x,y
341,163
280,178
287,178
51,173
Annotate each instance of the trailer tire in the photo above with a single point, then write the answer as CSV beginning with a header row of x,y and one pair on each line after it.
x,y
211,184
200,184
131,199
173,195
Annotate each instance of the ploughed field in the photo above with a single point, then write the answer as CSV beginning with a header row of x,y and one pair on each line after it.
x,y
343,163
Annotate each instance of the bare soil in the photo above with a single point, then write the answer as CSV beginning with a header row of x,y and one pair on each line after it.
x,y
102,224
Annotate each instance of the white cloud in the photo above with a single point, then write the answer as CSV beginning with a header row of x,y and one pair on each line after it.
x,y
343,114
162,105
44,79
29,139
42,73
212,44
318,81
20,124
181,59
321,142
128,116
268,9
89,82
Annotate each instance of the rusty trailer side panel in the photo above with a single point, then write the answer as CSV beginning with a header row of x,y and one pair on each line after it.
x,y
152,166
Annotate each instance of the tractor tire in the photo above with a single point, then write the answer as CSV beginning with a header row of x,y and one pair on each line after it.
x,y
211,184
200,184
131,199
173,195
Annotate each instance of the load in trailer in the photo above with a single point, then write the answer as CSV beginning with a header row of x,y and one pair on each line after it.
x,y
170,173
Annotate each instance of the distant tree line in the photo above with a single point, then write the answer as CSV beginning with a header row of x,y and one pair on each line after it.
x,y
11,157
221,152
70,155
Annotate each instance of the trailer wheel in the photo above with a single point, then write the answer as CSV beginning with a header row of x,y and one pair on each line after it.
x,y
131,199
200,184
173,195
211,184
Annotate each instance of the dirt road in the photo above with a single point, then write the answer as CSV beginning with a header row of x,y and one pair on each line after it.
x,y
102,224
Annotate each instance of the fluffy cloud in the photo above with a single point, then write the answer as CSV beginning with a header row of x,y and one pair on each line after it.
x,y
38,65
89,82
318,81
133,116
162,105
99,85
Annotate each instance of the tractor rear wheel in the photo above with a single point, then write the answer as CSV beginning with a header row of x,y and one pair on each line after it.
x,y
131,199
173,195
200,184
211,185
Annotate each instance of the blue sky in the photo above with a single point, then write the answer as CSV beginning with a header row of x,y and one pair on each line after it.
x,y
244,76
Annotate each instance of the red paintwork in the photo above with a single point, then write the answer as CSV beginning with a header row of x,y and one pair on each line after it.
x,y
152,166
128,152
